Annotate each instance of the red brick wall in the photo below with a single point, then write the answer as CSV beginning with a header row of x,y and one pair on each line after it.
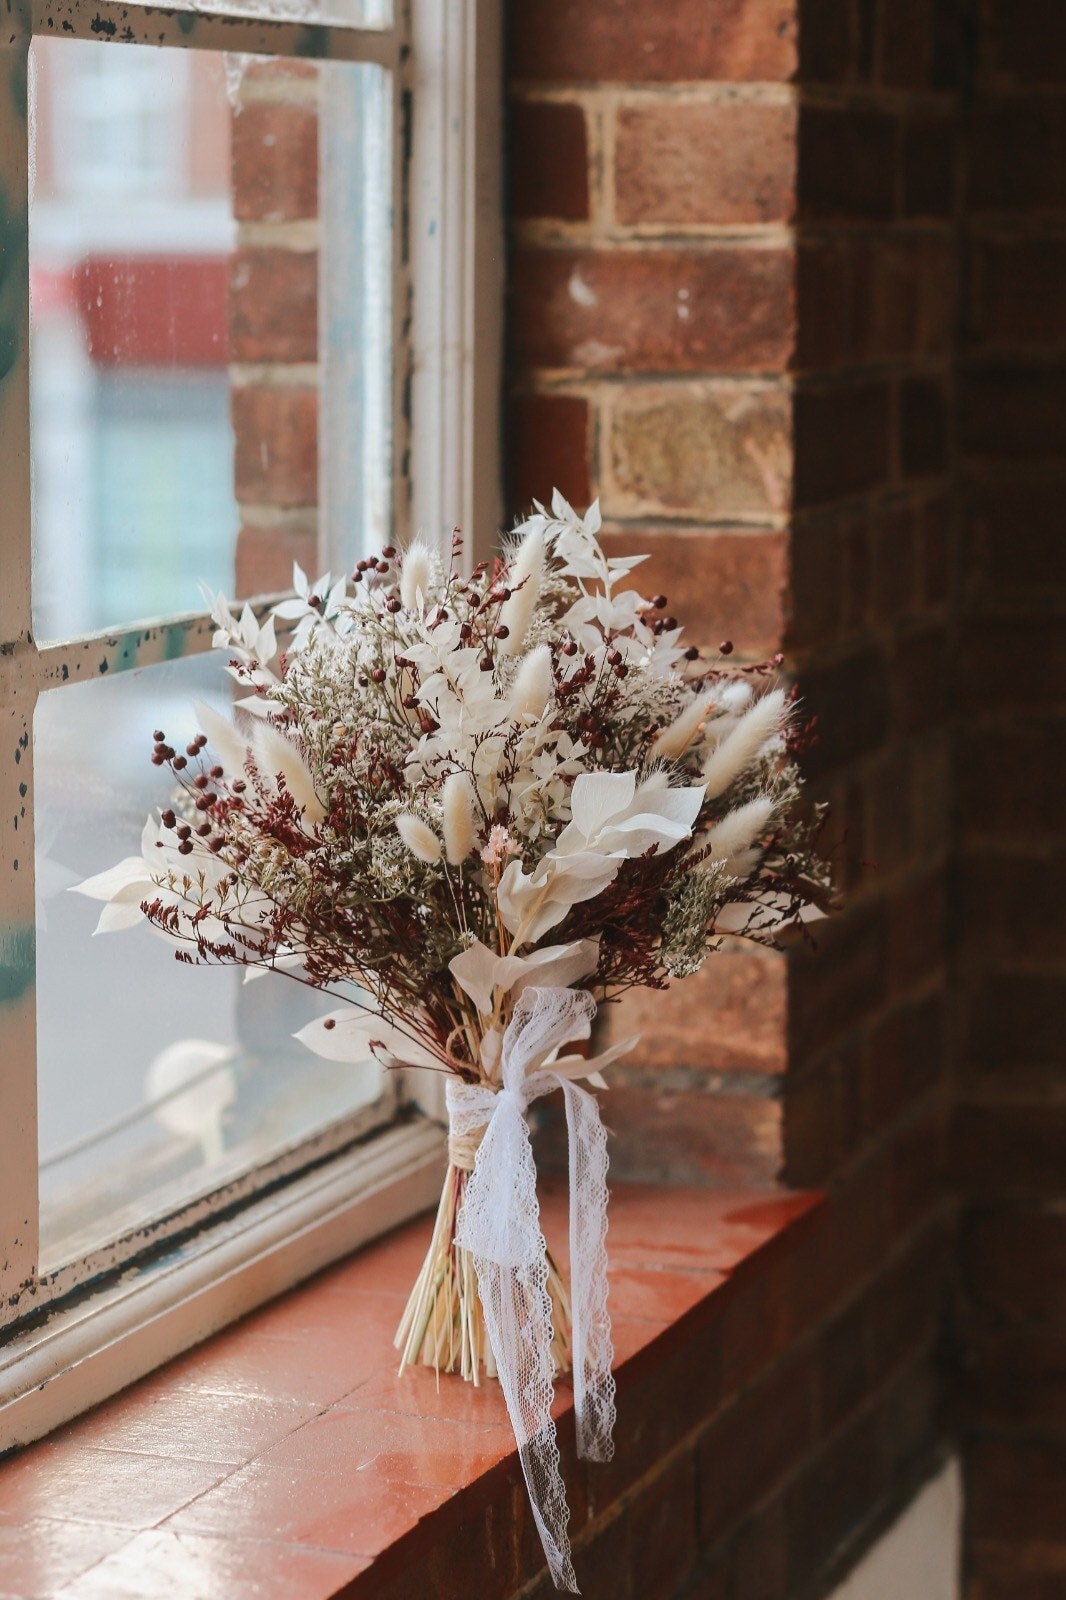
x,y
274,321
1011,877
732,318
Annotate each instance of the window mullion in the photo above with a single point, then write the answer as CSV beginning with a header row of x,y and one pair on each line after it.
x,y
200,29
18,1063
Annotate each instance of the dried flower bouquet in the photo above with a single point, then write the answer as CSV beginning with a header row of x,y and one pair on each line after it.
x,y
491,802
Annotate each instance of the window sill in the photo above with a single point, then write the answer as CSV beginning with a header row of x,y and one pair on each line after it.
x,y
284,1456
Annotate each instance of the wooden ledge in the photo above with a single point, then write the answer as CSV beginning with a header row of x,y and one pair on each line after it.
x,y
284,1457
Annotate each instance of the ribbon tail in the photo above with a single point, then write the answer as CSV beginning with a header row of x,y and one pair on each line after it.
x,y
593,1355
500,1226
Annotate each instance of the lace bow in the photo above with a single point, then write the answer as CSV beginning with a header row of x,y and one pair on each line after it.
x,y
500,1226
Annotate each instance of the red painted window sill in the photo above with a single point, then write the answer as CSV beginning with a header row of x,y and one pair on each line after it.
x,y
284,1457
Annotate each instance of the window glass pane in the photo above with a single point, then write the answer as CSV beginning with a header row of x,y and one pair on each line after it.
x,y
121,1025
210,270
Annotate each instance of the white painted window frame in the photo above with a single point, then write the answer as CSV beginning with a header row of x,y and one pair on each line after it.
x,y
332,1193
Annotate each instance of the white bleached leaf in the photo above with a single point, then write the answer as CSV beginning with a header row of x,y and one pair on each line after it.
x,y
224,739
479,971
352,1035
532,903
599,796
105,885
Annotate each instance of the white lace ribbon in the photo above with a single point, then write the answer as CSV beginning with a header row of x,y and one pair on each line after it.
x,y
500,1225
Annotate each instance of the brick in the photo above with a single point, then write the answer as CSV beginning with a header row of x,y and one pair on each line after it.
x,y
692,164
729,1017
936,537
893,536
1035,646
847,163
907,1054
1014,1375
274,305
995,1468
548,161
923,427
603,1558
930,167
843,1365
905,46
684,1136
921,1162
850,699
1025,41
1011,907
821,1117
1008,1571
1003,172
829,1264
1018,1017
1017,293
817,581
841,441
889,836
906,1304
1004,783
662,1531
276,431
837,986
721,310
275,162
548,448
1014,528
756,1556
865,300
921,679
828,42
830,1498
676,1389
721,584
265,557
1013,413
1014,1264
753,1444
640,41
917,927
722,452
1008,1147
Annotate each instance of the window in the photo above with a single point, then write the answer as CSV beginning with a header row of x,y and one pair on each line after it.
x,y
237,326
